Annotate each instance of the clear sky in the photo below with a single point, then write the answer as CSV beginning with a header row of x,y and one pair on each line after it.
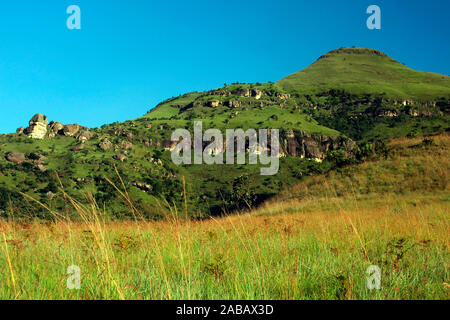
x,y
131,54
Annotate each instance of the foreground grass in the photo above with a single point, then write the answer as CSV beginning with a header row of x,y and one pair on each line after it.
x,y
318,254
314,242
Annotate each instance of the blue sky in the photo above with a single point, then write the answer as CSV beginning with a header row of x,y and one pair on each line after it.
x,y
130,55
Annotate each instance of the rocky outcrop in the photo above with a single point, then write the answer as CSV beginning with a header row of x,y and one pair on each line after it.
x,y
105,145
306,145
406,111
78,147
41,167
214,103
169,145
56,127
71,130
84,135
233,104
121,157
125,145
283,96
15,157
143,186
37,127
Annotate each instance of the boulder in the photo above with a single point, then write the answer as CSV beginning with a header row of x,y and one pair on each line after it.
x,y
213,104
85,135
38,118
105,145
125,145
15,157
20,130
78,147
37,127
41,168
71,130
56,127
257,94
121,157
168,144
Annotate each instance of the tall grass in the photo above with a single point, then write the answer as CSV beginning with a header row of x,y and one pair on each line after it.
x,y
317,246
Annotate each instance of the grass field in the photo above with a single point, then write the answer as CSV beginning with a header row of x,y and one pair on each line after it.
x,y
314,242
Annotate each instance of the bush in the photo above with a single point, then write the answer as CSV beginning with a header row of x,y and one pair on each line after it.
x,y
240,196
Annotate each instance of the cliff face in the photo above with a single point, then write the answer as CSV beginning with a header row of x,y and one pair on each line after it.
x,y
302,144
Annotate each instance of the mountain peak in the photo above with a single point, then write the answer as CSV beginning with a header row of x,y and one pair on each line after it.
x,y
354,51
366,71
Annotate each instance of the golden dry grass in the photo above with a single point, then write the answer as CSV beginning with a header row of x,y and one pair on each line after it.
x,y
314,242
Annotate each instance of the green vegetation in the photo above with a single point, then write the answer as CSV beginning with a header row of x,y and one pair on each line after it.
x,y
366,71
140,227
354,93
315,242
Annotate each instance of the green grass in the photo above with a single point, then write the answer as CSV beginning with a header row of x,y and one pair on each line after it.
x,y
314,241
348,113
168,109
281,257
366,71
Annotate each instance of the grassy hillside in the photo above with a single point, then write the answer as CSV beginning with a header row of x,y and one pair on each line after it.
x,y
354,93
410,168
367,71
248,111
361,93
315,241
369,96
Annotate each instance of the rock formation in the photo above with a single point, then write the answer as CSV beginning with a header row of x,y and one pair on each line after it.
x,y
105,145
125,145
121,157
37,127
84,135
307,145
71,129
78,147
15,157
56,127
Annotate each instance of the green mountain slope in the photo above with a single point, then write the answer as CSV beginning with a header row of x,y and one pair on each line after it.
x,y
349,93
369,96
367,71
238,106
